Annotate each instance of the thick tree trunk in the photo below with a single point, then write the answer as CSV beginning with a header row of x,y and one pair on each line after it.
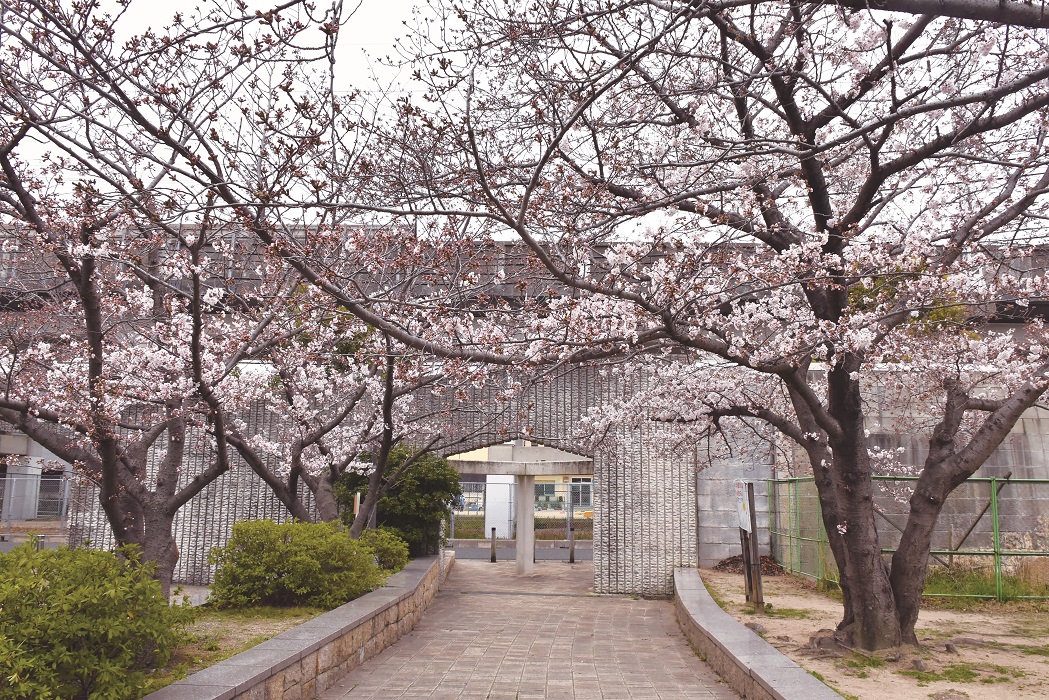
x,y
910,562
829,510
158,546
324,496
820,458
875,624
148,528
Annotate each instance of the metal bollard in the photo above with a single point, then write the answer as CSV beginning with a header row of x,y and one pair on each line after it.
x,y
571,545
493,545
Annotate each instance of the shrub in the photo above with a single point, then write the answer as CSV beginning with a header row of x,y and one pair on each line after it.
x,y
391,551
268,563
416,504
80,623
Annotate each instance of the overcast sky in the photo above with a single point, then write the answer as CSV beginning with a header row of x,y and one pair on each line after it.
x,y
368,35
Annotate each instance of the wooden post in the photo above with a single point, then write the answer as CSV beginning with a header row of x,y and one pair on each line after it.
x,y
755,555
748,572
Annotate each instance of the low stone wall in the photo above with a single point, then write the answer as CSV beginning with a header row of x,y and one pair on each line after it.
x,y
751,666
314,656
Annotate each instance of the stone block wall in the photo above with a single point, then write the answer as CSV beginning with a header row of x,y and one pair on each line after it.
x,y
306,660
748,664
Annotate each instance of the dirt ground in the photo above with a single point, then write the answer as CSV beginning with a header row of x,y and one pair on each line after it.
x,y
989,651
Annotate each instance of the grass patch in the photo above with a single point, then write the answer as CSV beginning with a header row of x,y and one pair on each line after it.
x,y
958,581
956,673
722,603
216,634
1034,650
858,664
471,527
861,661
787,613
831,589
965,673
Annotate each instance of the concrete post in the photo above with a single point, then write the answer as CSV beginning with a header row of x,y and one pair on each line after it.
x,y
525,506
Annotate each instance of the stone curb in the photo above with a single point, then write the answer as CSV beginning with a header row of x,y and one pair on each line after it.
x,y
314,656
751,666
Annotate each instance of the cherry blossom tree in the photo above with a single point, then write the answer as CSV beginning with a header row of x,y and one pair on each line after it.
x,y
189,167
341,397
132,301
109,355
815,198
804,193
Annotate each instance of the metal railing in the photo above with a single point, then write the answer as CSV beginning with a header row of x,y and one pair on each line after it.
x,y
990,529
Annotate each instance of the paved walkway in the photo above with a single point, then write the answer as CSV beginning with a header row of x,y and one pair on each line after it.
x,y
493,634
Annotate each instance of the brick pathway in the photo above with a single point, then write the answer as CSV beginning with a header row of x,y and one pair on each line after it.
x,y
492,634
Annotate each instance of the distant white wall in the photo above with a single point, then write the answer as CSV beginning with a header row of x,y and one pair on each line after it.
x,y
22,486
498,506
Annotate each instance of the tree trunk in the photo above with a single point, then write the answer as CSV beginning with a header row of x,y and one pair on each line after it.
x,y
910,562
875,624
371,500
324,496
829,510
148,528
158,546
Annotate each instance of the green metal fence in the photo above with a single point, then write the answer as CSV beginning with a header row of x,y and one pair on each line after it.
x,y
992,530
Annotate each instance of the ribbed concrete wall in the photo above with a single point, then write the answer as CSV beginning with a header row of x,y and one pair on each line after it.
x,y
644,498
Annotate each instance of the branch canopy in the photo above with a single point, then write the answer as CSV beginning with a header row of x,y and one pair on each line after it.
x,y
1025,13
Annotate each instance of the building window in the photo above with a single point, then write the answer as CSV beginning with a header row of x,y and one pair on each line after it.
x,y
581,491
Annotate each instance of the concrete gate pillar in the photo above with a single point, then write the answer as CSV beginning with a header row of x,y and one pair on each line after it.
x,y
524,503
524,465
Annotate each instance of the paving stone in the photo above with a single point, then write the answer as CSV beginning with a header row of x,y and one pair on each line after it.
x,y
493,634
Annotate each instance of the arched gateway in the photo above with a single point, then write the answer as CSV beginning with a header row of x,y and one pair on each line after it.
x,y
645,501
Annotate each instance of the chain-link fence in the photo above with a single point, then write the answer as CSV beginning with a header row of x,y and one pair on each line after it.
x,y
991,539
559,507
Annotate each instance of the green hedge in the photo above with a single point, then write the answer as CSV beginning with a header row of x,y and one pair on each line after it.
x,y
268,563
81,623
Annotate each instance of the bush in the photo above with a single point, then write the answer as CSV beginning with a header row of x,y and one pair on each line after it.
x,y
391,551
268,563
416,504
80,623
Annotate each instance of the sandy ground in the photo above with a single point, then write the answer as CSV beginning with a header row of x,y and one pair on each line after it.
x,y
990,652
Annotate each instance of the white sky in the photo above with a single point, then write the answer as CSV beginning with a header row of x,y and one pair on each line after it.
x,y
368,35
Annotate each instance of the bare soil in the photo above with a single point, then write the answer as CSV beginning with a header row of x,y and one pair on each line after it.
x,y
987,651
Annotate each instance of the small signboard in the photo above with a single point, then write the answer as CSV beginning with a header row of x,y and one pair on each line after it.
x,y
742,506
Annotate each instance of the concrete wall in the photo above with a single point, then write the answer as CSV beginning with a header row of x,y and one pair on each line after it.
x,y
716,505
644,492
